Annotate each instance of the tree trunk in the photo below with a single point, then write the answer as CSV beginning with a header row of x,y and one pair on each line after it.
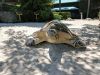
x,y
88,9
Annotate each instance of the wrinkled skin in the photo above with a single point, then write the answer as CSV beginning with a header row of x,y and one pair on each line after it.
x,y
55,32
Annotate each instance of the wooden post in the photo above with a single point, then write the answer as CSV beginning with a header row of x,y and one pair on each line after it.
x,y
88,8
36,15
81,15
99,14
19,16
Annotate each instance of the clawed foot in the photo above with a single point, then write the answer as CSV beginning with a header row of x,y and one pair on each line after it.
x,y
79,44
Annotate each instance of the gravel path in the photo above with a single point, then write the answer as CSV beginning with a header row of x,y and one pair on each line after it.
x,y
46,58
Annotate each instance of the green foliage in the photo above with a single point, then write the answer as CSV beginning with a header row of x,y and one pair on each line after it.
x,y
45,14
65,15
57,16
10,7
61,15
34,4
28,7
28,16
40,7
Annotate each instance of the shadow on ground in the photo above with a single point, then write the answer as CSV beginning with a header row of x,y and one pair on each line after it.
x,y
51,59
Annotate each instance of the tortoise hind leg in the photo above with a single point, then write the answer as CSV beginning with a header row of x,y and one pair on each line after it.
x,y
79,44
76,42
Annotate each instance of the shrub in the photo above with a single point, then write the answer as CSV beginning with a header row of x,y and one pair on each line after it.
x,y
57,16
61,15
44,15
65,15
27,16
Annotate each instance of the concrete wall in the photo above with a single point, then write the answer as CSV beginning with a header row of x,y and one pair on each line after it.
x,y
6,16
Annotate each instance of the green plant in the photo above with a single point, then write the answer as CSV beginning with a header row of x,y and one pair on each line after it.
x,y
44,15
61,15
57,16
28,7
65,15
39,7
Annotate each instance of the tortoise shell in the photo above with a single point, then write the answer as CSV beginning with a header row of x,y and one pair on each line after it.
x,y
56,32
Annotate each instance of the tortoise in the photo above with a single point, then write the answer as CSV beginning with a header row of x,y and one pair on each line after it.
x,y
55,32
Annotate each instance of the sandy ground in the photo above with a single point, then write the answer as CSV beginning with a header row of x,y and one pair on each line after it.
x,y
46,58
